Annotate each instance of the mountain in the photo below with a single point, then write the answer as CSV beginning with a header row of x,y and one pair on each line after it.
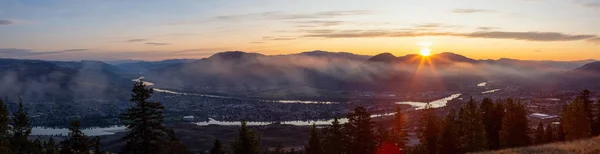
x,y
143,66
592,68
332,55
47,80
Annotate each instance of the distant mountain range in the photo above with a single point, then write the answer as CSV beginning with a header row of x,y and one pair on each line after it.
x,y
253,74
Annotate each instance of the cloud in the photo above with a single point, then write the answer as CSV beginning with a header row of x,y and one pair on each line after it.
x,y
157,44
469,11
595,40
487,28
136,40
12,52
278,38
5,22
528,36
278,16
592,5
257,42
317,23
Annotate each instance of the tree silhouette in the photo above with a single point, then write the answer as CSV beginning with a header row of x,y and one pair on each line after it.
x,y
429,130
449,136
314,143
334,139
575,121
4,129
539,134
146,134
549,136
514,125
472,128
20,130
359,129
217,148
247,142
399,134
50,147
492,121
97,146
77,142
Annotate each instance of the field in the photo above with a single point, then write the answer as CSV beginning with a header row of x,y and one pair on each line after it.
x,y
587,146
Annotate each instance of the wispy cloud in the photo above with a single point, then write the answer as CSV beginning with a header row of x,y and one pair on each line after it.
x,y
258,42
468,11
157,43
279,16
136,40
595,40
528,36
317,23
592,5
13,52
487,28
5,22
278,38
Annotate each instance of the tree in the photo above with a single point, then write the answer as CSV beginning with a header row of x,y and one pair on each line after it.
x,y
247,142
539,134
449,136
399,134
4,129
359,129
314,143
514,125
334,139
173,146
77,142
575,121
492,121
560,133
429,129
549,137
473,137
97,146
146,134
584,97
20,130
50,146
217,148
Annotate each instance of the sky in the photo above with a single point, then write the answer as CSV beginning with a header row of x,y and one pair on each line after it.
x,y
167,29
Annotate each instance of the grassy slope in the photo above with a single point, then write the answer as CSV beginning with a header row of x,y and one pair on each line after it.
x,y
588,146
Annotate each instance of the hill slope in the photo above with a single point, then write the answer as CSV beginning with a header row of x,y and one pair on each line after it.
x,y
580,146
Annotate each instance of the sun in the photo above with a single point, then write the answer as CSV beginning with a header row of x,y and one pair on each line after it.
x,y
425,52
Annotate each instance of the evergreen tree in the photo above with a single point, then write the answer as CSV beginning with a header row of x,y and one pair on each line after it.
x,y
359,128
588,108
4,133
77,141
173,146
36,147
492,121
247,142
20,130
560,133
97,146
539,134
334,138
549,137
449,136
575,121
50,146
314,143
146,134
473,137
217,148
399,134
429,129
514,125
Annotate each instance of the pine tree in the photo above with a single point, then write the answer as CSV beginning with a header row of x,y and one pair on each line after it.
x,y
560,133
77,142
173,146
549,137
492,121
473,137
20,129
247,142
217,148
449,136
588,105
334,138
50,146
4,133
575,121
359,128
539,134
514,125
400,135
97,146
146,134
429,129
314,143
